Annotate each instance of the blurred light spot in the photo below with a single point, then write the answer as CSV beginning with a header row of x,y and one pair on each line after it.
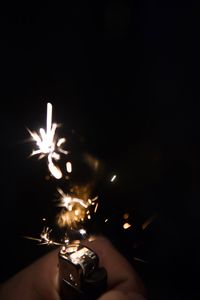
x,y
149,221
126,225
69,167
126,216
113,178
82,231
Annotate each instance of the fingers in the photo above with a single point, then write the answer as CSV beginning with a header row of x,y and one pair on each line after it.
x,y
39,281
121,275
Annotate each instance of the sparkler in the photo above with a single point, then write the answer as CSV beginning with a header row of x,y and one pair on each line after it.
x,y
76,206
49,144
78,264
74,209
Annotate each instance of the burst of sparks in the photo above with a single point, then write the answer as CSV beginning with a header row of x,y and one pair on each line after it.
x,y
68,201
76,209
44,238
48,145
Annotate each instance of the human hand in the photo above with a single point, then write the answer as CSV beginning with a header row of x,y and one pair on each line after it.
x,y
39,281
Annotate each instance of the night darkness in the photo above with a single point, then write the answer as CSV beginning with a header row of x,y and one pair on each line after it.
x,y
123,77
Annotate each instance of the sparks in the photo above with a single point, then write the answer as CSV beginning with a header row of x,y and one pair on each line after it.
x,y
96,207
67,201
76,210
76,206
48,144
44,238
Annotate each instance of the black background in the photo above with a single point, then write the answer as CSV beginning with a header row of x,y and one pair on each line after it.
x,y
124,75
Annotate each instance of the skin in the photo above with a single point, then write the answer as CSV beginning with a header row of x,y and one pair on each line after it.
x,y
39,281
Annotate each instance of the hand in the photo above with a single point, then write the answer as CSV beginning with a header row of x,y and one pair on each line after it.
x,y
39,281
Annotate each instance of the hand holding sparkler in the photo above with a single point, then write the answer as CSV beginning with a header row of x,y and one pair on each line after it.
x,y
80,276
40,280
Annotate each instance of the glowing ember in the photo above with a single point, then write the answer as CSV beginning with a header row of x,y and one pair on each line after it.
x,y
126,216
48,144
126,226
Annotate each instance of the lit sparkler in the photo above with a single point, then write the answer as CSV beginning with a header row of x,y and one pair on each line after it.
x,y
49,145
76,208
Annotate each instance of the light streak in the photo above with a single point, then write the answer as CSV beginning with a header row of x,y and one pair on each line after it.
x,y
69,167
44,238
96,207
113,178
48,144
149,221
140,260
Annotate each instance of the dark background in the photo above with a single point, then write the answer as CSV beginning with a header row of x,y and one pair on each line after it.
x,y
124,75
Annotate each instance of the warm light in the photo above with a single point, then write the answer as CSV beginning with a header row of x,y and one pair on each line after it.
x,y
126,225
96,207
149,221
126,216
